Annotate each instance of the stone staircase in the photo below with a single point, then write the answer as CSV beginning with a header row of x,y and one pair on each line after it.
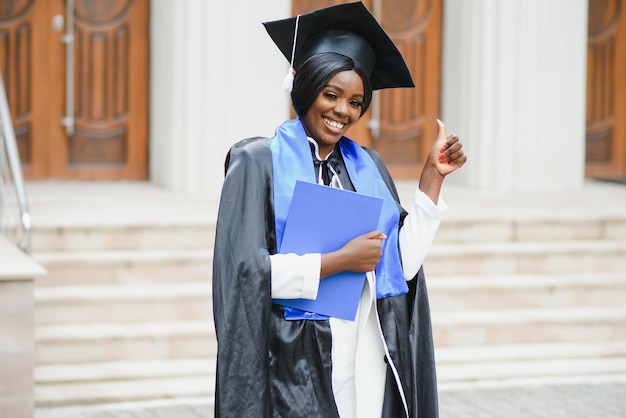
x,y
125,311
519,288
521,292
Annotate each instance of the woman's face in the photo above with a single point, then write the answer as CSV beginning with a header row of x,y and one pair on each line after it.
x,y
336,108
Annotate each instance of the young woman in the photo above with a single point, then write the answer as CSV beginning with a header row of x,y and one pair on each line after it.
x,y
271,362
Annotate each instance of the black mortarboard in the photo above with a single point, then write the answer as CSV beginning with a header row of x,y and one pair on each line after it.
x,y
348,29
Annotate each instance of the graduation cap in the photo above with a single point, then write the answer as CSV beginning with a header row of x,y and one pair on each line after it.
x,y
348,29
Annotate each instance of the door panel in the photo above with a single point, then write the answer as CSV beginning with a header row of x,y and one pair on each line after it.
x,y
407,116
403,120
110,92
110,86
606,90
22,42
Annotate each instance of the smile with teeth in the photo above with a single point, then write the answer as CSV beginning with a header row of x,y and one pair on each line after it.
x,y
333,124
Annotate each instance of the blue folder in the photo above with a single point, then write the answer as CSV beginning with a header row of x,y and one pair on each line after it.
x,y
322,219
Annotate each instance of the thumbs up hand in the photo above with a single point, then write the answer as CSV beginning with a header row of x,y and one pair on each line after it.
x,y
447,152
444,157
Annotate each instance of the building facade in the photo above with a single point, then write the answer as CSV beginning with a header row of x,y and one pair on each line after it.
x,y
159,90
513,88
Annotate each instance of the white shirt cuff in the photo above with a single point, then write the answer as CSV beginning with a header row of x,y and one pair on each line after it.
x,y
295,276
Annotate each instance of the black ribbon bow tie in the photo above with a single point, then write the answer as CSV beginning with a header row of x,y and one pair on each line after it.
x,y
326,176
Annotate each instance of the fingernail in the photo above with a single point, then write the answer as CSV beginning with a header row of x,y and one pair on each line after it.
x,y
443,148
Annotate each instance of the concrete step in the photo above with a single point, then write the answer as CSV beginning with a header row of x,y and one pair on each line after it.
x,y
515,291
101,342
78,268
536,257
123,303
544,228
530,351
521,326
107,267
200,233
99,237
123,370
124,390
514,361
187,301
529,369
127,381
71,384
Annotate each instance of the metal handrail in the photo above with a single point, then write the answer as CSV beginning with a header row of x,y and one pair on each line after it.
x,y
68,40
11,171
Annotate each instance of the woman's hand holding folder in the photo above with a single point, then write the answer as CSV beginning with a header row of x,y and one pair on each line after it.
x,y
360,254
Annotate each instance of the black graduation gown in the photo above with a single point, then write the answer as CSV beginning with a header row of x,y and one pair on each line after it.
x,y
270,367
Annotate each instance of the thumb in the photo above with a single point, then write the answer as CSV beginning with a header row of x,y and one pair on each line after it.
x,y
441,134
375,235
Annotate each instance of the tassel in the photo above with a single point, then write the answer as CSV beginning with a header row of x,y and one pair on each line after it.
x,y
288,81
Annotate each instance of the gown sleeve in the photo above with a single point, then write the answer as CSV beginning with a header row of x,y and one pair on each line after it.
x,y
244,239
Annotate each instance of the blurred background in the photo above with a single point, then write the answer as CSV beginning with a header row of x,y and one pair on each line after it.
x,y
116,116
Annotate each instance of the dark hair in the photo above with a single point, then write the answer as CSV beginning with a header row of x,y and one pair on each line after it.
x,y
314,73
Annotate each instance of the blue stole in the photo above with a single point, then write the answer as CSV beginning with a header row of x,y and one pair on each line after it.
x,y
291,161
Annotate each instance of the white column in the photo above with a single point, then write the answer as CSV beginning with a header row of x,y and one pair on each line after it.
x,y
514,91
215,79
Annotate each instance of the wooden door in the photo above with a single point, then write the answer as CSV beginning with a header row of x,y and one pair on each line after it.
x,y
400,124
110,83
606,90
23,67
407,116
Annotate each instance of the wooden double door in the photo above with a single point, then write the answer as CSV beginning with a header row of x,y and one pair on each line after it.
x,y
96,129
